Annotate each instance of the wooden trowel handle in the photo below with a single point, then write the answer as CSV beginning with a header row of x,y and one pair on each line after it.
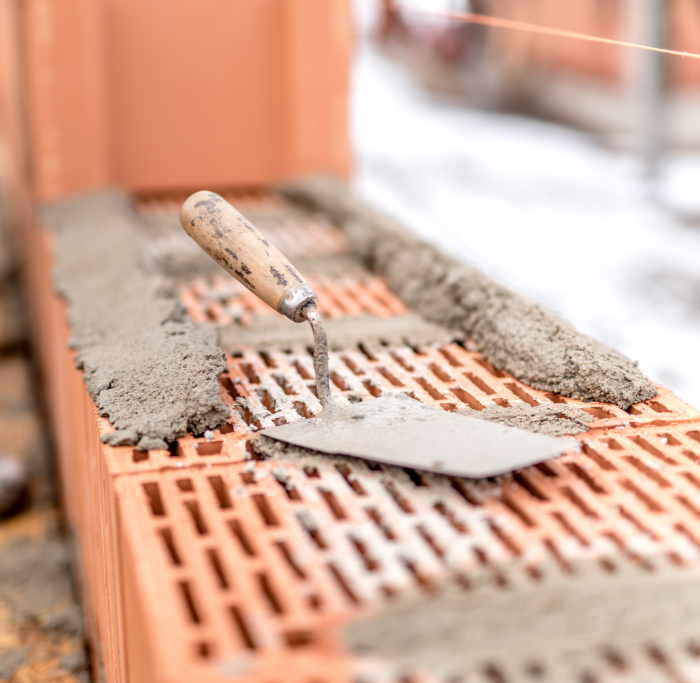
x,y
245,253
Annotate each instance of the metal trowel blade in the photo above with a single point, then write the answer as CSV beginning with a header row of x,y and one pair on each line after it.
x,y
398,430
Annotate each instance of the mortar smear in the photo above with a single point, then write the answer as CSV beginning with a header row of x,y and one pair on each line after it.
x,y
515,334
149,369
277,332
553,420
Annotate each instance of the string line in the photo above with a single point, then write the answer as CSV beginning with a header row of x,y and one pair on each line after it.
x,y
496,22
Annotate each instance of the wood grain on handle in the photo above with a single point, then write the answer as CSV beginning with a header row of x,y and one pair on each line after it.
x,y
245,253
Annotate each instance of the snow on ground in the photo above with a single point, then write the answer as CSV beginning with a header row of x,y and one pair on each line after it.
x,y
542,208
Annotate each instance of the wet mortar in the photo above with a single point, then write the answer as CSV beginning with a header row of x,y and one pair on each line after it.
x,y
150,370
514,334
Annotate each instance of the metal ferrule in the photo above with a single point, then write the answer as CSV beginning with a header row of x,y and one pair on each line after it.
x,y
295,299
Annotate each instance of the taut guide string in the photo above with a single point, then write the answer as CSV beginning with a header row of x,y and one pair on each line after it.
x,y
496,22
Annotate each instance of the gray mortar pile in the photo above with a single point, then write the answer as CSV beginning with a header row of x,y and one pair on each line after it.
x,y
150,369
515,334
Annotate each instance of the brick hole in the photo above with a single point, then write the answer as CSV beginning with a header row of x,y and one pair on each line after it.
x,y
693,457
489,368
242,628
226,428
376,517
430,541
403,362
289,489
522,479
494,674
185,485
440,373
634,411
658,407
369,562
219,488
399,499
139,456
632,519
449,407
465,397
615,660
694,435
613,445
579,502
152,491
462,582
239,532
599,413
228,385
339,382
521,394
555,398
485,561
669,439
598,458
389,592
250,373
683,529
299,638
416,477
688,505
167,535
692,479
196,514
418,576
693,648
642,496
372,388
314,601
343,584
534,573
429,388
312,390
270,594
209,447
314,533
647,471
290,560
175,450
395,381
218,568
374,466
517,510
506,539
535,670
462,489
311,472
478,382
367,352
303,372
352,365
302,409
450,357
266,511
585,477
283,383
451,517
607,565
203,650
546,470
267,400
557,555
350,479
267,359
188,597
333,504
503,402
569,527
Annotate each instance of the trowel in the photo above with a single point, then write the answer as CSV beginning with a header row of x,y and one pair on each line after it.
x,y
393,429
